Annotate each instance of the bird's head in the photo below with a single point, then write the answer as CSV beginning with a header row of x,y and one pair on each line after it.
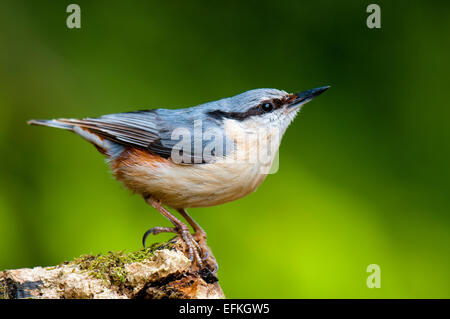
x,y
255,121
264,108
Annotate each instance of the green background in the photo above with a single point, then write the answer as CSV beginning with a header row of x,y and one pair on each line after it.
x,y
364,173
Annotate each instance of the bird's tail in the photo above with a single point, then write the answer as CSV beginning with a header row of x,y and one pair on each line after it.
x,y
52,123
105,146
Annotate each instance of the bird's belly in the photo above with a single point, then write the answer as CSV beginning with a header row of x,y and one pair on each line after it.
x,y
184,186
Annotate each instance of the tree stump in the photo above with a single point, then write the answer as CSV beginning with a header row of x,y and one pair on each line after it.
x,y
161,271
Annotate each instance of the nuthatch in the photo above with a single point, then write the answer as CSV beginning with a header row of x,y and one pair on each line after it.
x,y
163,155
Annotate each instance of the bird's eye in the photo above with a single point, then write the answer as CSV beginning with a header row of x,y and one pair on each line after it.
x,y
267,107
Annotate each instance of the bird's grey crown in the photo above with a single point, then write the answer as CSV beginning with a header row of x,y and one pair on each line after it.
x,y
242,102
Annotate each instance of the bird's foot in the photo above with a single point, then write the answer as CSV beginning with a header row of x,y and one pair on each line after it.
x,y
207,256
194,246
198,252
193,249
200,237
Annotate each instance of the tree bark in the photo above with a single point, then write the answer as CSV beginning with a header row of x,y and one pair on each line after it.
x,y
161,271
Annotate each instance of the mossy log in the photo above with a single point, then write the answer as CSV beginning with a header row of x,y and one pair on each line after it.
x,y
161,271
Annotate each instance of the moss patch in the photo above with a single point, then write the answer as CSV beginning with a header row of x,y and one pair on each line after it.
x,y
3,293
110,267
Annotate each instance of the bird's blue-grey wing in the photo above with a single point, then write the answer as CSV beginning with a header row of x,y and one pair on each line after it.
x,y
151,130
134,128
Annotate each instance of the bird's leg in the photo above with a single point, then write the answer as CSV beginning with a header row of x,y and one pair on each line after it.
x,y
200,237
180,228
199,233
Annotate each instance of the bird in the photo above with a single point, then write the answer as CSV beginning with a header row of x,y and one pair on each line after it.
x,y
198,156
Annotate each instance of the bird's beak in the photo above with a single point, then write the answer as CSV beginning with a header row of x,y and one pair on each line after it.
x,y
306,96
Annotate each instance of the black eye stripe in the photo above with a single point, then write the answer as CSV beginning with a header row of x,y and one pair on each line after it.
x,y
277,103
256,110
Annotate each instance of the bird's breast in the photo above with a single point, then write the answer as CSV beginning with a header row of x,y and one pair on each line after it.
x,y
196,185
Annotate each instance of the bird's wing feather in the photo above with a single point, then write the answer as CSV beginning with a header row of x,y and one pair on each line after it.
x,y
143,129
137,129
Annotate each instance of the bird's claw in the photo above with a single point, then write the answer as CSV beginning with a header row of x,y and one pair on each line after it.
x,y
156,231
194,245
193,248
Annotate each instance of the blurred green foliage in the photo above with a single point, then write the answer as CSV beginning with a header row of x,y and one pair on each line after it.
x,y
364,170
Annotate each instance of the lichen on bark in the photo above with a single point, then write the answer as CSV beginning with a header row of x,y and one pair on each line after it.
x,y
161,271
